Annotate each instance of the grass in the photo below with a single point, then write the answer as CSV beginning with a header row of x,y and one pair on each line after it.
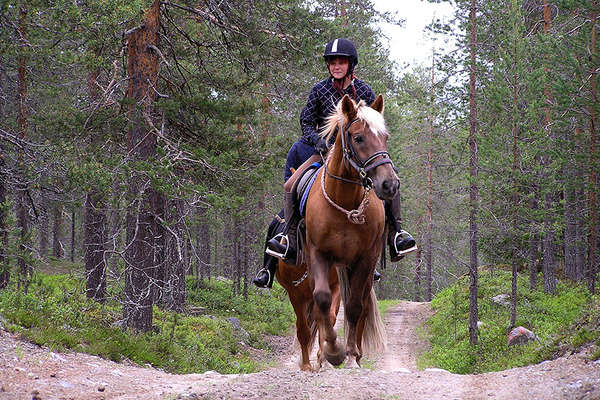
x,y
562,320
56,313
385,305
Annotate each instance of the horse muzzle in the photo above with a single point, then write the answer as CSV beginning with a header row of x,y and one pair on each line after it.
x,y
386,187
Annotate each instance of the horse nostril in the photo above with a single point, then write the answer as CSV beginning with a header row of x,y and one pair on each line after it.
x,y
390,186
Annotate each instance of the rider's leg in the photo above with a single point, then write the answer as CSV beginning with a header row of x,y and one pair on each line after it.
x,y
264,277
287,250
289,184
399,241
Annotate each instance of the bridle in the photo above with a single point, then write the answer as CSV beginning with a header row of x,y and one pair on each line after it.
x,y
362,167
356,216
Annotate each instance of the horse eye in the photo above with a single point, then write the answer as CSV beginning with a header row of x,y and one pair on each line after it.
x,y
358,139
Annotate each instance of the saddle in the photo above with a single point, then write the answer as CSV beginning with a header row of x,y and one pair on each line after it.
x,y
303,185
301,190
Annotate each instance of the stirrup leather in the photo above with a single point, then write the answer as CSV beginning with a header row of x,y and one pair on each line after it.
x,y
395,242
287,246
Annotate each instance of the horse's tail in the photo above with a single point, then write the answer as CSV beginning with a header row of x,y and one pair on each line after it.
x,y
312,323
374,339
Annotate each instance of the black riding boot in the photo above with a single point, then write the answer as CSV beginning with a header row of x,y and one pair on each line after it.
x,y
376,276
287,250
264,277
400,241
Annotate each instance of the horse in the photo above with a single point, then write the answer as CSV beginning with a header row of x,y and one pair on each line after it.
x,y
347,244
294,280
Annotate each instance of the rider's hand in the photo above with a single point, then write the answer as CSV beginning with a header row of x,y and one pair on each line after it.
x,y
321,146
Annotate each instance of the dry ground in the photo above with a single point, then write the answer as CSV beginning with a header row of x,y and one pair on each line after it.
x,y
30,372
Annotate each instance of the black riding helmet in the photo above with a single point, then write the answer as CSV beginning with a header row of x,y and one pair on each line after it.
x,y
342,48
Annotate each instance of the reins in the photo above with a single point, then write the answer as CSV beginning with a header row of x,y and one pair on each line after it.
x,y
356,216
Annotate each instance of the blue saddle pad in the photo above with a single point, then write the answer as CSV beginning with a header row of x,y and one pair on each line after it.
x,y
310,176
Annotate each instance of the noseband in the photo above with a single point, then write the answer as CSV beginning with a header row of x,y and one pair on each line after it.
x,y
362,167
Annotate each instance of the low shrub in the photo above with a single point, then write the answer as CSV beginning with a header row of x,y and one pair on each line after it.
x,y
56,313
553,318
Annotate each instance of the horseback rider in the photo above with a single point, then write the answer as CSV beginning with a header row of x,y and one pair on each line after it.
x,y
341,58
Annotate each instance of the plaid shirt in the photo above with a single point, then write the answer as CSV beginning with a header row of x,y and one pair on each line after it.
x,y
322,101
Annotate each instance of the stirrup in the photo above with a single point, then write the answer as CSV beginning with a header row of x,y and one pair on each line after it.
x,y
405,251
269,278
275,253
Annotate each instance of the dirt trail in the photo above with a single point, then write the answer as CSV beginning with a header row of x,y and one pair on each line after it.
x,y
30,372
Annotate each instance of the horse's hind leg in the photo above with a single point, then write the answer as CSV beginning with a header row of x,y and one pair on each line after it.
x,y
303,335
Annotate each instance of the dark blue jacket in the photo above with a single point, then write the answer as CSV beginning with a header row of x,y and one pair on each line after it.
x,y
322,101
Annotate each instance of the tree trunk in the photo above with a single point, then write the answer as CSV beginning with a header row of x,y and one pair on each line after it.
x,y
203,241
581,246
4,265
144,200
534,244
72,236
44,225
418,262
95,233
548,263
548,259
249,233
235,232
593,182
94,245
570,215
429,250
175,278
162,268
515,172
22,123
57,247
474,190
115,233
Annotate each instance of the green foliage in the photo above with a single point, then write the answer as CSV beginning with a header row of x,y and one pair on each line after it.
x,y
551,317
385,305
264,312
56,313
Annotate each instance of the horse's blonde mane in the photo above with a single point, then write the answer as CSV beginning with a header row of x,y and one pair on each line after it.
x,y
363,113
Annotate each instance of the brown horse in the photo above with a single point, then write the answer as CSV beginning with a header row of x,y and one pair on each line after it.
x,y
350,242
294,280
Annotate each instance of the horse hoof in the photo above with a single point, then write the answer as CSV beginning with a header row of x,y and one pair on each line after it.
x,y
337,357
306,367
351,363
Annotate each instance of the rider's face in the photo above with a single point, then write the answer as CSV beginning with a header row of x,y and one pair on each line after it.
x,y
338,67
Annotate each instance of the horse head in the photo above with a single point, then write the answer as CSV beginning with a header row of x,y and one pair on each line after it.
x,y
363,137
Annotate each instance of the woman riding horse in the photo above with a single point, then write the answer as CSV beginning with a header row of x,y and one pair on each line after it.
x,y
341,57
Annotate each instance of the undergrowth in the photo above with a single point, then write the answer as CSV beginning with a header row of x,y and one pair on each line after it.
x,y
56,313
557,320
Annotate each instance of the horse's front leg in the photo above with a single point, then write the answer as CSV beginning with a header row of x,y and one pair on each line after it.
x,y
333,351
359,282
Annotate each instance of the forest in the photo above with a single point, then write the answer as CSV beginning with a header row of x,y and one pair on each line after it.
x,y
145,141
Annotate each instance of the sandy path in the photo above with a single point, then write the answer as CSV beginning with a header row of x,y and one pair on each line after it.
x,y
404,344
30,372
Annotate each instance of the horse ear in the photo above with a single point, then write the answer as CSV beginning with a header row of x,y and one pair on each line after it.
x,y
348,108
378,104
